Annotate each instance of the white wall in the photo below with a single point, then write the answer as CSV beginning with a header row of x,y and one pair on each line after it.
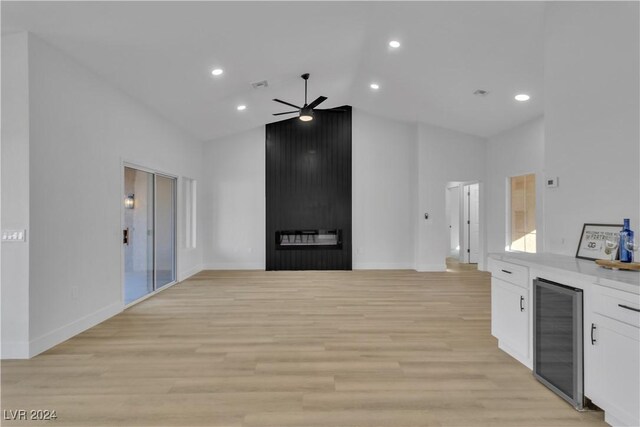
x,y
443,155
514,152
14,279
384,182
81,130
235,201
591,118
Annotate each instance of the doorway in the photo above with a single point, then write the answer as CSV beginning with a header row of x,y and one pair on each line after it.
x,y
149,232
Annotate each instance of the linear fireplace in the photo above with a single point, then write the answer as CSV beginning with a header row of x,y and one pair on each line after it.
x,y
308,239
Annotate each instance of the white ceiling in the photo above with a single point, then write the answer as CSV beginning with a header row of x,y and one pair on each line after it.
x,y
162,53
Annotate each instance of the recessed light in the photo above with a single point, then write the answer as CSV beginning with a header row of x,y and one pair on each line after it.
x,y
241,107
217,71
394,44
522,97
374,86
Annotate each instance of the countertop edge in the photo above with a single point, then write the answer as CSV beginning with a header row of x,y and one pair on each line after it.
x,y
627,281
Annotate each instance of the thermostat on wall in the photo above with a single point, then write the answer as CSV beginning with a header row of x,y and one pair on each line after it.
x,y
552,182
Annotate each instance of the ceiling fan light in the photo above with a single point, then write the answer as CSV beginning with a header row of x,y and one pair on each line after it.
x,y
306,114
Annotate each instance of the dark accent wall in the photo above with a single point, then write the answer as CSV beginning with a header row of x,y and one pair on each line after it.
x,y
308,187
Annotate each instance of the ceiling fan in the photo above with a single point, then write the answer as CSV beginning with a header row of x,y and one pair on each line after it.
x,y
306,111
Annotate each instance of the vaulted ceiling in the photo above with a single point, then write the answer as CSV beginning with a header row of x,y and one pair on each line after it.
x,y
162,54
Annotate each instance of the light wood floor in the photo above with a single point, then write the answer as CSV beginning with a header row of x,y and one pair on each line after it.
x,y
249,348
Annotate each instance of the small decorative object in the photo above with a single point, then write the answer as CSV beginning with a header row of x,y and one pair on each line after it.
x,y
626,243
593,241
129,201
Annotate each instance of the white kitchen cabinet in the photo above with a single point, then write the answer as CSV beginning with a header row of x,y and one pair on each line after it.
x,y
614,350
611,307
510,319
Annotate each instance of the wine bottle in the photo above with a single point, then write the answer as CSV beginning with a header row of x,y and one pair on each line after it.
x,y
626,240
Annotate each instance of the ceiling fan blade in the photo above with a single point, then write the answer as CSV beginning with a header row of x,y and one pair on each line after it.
x,y
287,103
334,110
317,102
286,112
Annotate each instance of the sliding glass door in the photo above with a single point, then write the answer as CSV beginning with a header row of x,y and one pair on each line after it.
x,y
149,232
165,230
137,235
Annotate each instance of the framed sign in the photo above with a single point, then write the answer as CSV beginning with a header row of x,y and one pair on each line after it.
x,y
599,241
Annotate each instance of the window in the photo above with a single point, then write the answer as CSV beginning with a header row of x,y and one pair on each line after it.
x,y
190,213
523,213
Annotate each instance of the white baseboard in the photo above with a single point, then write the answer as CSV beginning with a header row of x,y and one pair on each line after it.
x,y
618,419
186,274
235,266
63,333
431,267
528,362
14,350
382,265
356,266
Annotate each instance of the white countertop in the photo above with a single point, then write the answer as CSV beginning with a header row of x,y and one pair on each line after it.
x,y
628,281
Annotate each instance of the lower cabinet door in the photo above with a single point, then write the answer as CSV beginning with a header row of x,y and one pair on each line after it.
x,y
510,317
615,371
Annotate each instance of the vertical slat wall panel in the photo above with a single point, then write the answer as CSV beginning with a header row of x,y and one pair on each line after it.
x,y
308,186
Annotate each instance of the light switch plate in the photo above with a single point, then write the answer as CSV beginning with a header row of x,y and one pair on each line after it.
x,y
551,182
14,235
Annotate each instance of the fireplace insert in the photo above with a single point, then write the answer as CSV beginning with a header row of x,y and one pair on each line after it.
x,y
309,239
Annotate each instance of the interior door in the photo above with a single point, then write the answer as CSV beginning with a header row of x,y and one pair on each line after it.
x,y
471,221
453,200
474,223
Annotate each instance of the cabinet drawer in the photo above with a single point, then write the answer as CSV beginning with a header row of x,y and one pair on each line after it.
x,y
618,305
512,273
